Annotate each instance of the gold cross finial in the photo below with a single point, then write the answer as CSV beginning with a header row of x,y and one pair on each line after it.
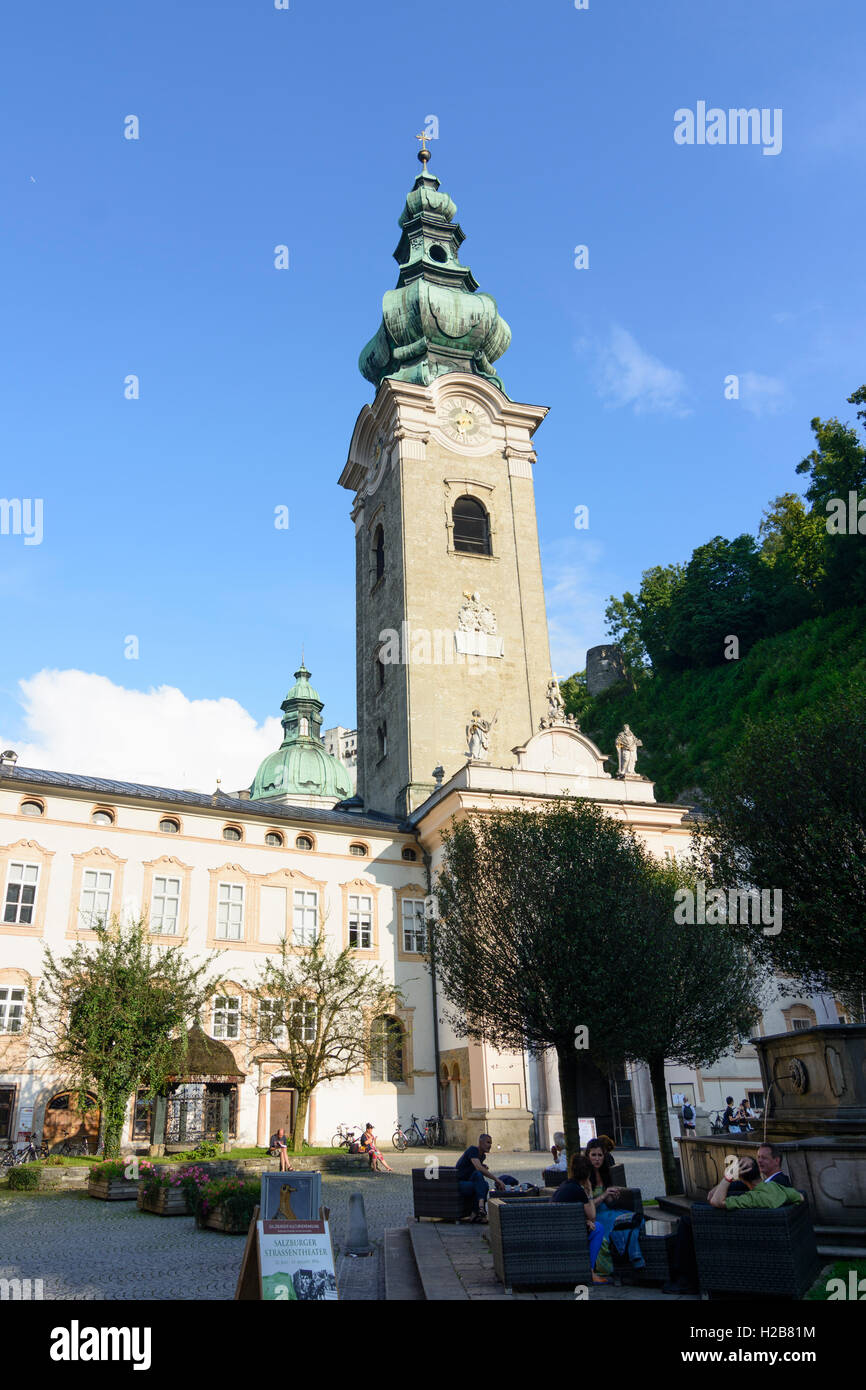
x,y
423,153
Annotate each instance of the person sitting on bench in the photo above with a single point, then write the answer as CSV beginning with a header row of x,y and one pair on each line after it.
x,y
472,1176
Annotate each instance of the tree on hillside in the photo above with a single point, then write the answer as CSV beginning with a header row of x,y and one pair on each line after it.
x,y
792,540
557,919
788,812
837,468
574,695
112,1017
641,625
323,1016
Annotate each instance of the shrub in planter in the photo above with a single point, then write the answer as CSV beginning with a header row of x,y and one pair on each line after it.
x,y
234,1198
25,1178
107,1172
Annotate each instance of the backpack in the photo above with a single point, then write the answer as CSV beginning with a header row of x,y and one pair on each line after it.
x,y
688,1112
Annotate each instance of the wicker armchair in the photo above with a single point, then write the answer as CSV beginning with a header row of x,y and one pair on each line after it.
x,y
552,1177
769,1252
536,1242
439,1196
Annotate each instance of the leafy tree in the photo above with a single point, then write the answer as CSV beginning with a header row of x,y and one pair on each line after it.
x,y
113,1016
574,695
692,990
623,617
788,812
836,468
726,590
793,542
313,1010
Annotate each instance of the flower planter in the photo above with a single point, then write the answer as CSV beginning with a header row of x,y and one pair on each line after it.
x,y
112,1189
219,1220
164,1201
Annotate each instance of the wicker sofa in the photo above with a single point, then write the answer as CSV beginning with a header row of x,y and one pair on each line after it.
x,y
439,1196
535,1242
763,1252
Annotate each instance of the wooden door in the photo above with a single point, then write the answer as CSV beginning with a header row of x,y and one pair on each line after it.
x,y
282,1112
63,1121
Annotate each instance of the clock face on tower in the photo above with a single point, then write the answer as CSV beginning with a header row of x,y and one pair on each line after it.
x,y
463,421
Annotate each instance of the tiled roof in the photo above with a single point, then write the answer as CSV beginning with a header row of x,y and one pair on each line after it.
x,y
169,796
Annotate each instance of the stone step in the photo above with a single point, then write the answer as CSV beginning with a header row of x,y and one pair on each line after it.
x,y
402,1281
435,1270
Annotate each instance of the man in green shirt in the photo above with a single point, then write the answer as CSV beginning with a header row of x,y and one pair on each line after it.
x,y
758,1194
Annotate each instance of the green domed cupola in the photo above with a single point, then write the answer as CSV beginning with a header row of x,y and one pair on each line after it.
x,y
301,771
434,321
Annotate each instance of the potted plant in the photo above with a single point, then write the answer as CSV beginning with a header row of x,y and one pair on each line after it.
x,y
227,1204
162,1191
110,1183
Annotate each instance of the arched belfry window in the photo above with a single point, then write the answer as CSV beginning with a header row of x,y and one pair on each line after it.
x,y
379,552
471,527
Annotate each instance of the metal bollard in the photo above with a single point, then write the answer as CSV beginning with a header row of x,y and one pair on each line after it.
x,y
359,1240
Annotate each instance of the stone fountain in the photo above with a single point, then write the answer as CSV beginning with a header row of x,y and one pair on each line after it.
x,y
815,1111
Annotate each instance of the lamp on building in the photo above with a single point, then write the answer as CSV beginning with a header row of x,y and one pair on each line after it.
x,y
8,756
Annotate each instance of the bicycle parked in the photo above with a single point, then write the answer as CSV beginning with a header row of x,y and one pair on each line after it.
x,y
346,1136
415,1135
16,1157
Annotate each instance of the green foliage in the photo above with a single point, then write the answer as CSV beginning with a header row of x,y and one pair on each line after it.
x,y
237,1197
690,721
24,1178
112,1016
53,1161
104,1172
321,1004
788,811
574,694
557,918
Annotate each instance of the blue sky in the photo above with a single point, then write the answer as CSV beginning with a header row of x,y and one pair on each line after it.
x,y
261,127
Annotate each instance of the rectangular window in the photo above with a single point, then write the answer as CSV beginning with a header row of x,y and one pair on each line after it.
x,y
304,1020
799,1024
230,912
95,896
11,1009
7,1105
305,926
414,929
165,905
360,921
21,893
756,1100
226,1016
271,1026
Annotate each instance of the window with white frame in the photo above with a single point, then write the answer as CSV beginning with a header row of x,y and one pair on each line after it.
x,y
230,912
226,1016
304,1020
21,892
305,920
165,904
11,1009
271,1026
95,896
414,928
360,921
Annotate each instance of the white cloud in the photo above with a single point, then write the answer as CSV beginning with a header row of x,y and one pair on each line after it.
x,y
626,375
762,395
577,595
84,723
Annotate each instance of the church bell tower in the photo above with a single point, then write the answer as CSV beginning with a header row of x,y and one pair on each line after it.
x,y
453,658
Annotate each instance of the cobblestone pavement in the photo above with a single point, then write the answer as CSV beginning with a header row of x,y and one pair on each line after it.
x,y
87,1249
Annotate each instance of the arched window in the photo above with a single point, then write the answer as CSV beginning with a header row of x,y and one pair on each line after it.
x,y
386,1049
274,838
102,816
231,832
379,552
303,842
32,808
471,527
169,826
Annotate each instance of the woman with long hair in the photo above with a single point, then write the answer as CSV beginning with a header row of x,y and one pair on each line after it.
x,y
625,1239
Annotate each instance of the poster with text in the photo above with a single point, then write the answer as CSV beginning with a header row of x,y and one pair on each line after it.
x,y
296,1261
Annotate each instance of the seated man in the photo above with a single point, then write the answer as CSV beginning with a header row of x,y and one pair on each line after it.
x,y
752,1193
758,1193
472,1175
769,1159
558,1154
